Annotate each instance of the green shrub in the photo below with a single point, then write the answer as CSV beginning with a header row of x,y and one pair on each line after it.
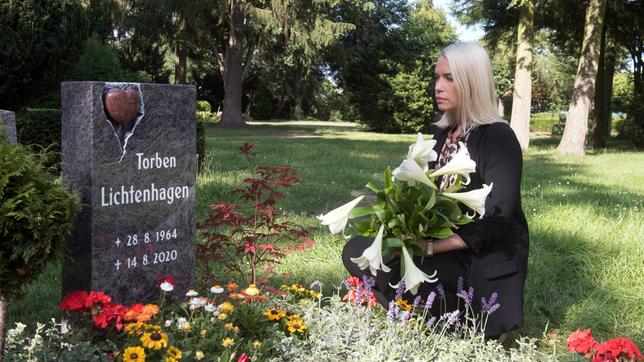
x,y
544,122
99,61
630,130
36,215
39,126
203,106
412,105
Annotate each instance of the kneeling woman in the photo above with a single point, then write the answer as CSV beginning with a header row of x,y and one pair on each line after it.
x,y
490,253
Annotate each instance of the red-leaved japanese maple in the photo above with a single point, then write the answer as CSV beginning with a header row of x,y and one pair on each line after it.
x,y
253,233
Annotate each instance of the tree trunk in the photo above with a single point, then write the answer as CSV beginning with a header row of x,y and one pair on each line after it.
x,y
597,131
232,111
181,65
522,95
607,94
604,94
4,307
574,137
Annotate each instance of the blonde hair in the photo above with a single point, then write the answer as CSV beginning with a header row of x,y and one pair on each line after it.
x,y
471,70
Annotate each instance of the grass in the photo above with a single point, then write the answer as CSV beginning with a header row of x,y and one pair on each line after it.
x,y
585,217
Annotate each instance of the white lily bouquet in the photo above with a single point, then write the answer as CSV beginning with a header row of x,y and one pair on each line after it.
x,y
409,208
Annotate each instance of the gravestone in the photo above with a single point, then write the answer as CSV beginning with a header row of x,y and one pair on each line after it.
x,y
129,149
9,120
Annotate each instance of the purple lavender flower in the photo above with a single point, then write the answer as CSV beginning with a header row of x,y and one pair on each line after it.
x,y
459,285
392,312
316,283
404,317
470,295
416,302
493,308
431,322
357,297
430,300
369,282
400,290
490,306
441,291
450,318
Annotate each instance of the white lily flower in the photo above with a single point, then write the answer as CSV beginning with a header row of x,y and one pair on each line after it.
x,y
410,171
337,219
422,152
461,164
372,256
474,199
413,276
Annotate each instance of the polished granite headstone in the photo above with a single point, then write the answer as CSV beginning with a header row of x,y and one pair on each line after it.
x,y
8,118
129,149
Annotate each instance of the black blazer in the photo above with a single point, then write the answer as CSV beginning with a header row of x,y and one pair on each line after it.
x,y
497,259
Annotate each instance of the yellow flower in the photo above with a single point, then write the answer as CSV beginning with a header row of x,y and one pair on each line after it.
x,y
199,355
298,288
403,304
257,343
296,326
173,354
185,326
154,340
228,326
204,332
222,316
134,354
294,317
252,290
133,328
315,294
226,307
227,342
274,314
236,329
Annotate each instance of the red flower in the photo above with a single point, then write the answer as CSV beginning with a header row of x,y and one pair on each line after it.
x,y
168,279
97,299
619,347
109,313
74,301
243,358
353,281
581,341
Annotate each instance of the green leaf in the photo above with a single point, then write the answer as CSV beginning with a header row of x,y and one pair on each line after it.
x,y
440,233
372,187
361,211
392,243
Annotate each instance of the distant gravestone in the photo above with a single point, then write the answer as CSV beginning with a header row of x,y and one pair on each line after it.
x,y
129,149
9,120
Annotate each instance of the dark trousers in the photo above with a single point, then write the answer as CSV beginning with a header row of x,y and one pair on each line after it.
x,y
449,265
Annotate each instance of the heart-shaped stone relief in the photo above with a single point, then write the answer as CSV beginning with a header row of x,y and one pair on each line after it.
x,y
122,105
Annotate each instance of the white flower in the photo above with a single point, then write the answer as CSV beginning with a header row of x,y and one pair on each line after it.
x,y
191,293
337,219
181,321
413,276
197,302
372,256
167,287
410,171
210,307
167,323
461,164
422,152
217,289
474,199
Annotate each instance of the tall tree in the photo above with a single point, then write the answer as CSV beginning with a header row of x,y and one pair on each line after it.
x,y
522,94
302,24
574,137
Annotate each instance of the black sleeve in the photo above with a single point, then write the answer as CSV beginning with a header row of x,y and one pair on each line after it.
x,y
500,164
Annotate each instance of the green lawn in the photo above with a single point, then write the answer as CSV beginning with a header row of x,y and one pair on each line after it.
x,y
585,214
